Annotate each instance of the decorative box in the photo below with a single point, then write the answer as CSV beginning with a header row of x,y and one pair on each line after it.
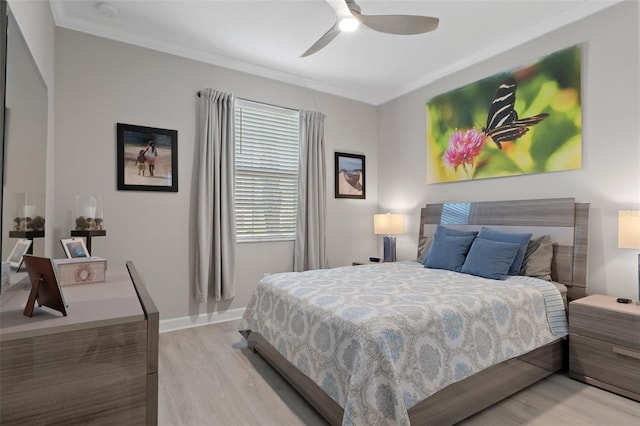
x,y
81,270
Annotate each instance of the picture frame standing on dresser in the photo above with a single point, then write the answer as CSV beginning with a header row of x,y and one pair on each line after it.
x,y
45,288
74,247
21,248
147,158
350,177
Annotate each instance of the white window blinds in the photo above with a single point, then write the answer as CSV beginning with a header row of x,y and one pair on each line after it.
x,y
267,152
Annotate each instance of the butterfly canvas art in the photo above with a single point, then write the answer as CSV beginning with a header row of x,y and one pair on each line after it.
x,y
522,121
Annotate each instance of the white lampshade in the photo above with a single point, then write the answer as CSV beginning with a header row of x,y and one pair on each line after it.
x,y
388,224
629,229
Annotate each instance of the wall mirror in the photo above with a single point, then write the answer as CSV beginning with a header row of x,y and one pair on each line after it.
x,y
24,147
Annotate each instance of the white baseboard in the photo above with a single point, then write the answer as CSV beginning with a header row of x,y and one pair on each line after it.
x,y
172,324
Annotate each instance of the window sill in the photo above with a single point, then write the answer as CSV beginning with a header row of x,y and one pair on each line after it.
x,y
265,240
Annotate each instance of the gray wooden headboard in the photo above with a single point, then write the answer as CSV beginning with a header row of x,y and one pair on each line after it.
x,y
565,220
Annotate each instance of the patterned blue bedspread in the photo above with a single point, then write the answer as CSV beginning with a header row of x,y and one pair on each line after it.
x,y
380,338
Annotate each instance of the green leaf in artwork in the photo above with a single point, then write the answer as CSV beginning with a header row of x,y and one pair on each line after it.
x,y
568,157
496,163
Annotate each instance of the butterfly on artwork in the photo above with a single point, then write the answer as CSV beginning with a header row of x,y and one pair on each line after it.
x,y
503,124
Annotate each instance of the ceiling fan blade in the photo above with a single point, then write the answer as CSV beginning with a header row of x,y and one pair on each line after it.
x,y
398,24
323,41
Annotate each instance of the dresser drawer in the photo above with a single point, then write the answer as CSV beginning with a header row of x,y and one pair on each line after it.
x,y
620,328
609,363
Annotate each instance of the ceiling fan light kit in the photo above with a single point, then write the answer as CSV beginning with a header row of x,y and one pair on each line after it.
x,y
348,24
390,24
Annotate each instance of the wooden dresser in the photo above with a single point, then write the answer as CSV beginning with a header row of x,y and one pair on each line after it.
x,y
604,344
98,365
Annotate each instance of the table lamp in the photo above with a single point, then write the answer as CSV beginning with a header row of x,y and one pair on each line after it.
x,y
629,233
388,225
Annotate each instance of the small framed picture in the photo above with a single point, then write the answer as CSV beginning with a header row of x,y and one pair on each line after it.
x,y
21,248
147,158
350,176
45,288
74,247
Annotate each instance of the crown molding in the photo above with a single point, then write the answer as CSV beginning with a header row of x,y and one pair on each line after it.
x,y
372,97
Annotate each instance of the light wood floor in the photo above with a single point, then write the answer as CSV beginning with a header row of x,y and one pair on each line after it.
x,y
209,377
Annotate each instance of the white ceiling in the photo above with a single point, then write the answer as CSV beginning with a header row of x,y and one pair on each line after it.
x,y
267,37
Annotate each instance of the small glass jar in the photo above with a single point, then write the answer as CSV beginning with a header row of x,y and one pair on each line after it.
x,y
28,212
89,213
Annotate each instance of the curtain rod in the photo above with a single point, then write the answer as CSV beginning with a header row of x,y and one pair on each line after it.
x,y
259,102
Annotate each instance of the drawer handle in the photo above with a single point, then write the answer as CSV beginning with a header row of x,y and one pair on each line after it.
x,y
626,352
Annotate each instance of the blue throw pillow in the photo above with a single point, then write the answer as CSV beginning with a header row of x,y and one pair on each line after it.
x,y
448,252
451,232
443,230
490,259
508,237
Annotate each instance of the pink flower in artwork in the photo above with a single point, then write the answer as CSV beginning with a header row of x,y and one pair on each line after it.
x,y
464,147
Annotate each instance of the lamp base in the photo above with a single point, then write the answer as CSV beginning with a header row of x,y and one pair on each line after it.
x,y
389,244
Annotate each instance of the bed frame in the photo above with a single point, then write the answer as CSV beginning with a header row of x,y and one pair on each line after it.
x,y
562,218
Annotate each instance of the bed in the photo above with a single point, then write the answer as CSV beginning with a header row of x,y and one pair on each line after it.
x,y
398,343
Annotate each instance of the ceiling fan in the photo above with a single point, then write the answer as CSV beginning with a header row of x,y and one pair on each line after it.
x,y
348,17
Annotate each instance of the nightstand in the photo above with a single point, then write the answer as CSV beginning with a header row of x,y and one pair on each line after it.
x,y
604,344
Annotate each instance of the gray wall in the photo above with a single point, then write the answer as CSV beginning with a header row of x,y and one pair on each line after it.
x,y
609,178
100,82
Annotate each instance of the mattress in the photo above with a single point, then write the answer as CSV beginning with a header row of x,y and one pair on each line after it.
x,y
380,338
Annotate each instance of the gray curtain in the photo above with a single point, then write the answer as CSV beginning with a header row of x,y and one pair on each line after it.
x,y
310,248
216,234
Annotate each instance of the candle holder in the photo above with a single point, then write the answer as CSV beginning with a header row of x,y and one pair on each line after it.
x,y
28,213
89,213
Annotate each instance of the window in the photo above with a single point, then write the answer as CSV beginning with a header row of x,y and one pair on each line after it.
x,y
267,147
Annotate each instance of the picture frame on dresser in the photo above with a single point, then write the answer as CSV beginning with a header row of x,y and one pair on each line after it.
x,y
45,288
74,248
19,250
